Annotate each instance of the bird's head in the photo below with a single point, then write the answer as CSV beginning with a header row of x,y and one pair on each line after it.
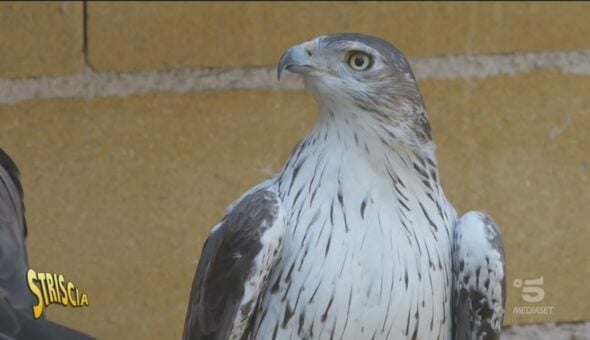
x,y
353,67
362,74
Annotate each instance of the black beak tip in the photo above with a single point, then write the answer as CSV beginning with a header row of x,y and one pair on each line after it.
x,y
285,61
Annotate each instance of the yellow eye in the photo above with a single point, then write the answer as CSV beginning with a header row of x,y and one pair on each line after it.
x,y
359,61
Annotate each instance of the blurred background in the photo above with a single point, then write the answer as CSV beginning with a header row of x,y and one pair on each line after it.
x,y
135,124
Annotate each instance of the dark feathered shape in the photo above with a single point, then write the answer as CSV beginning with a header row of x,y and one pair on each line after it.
x,y
16,300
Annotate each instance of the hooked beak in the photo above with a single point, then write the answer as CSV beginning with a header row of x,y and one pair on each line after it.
x,y
297,59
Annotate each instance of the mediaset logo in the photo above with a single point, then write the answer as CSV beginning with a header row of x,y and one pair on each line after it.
x,y
53,288
532,292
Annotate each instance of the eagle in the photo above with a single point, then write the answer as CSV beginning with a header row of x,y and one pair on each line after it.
x,y
16,300
354,237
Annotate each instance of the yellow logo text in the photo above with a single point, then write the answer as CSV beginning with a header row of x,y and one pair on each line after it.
x,y
53,288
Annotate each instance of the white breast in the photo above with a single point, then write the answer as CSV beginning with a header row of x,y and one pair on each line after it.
x,y
351,269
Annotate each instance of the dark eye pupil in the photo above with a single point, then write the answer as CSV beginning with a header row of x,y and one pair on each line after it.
x,y
359,61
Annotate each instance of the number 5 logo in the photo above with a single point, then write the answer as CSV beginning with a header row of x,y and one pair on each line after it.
x,y
532,290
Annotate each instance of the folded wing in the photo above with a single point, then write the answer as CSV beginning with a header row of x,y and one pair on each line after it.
x,y
233,271
479,278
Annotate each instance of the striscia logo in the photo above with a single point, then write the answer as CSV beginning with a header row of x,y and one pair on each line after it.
x,y
51,288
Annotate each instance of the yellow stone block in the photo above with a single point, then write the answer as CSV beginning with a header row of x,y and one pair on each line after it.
x,y
131,36
121,193
41,38
517,148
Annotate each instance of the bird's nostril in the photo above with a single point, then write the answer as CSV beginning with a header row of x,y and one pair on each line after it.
x,y
308,52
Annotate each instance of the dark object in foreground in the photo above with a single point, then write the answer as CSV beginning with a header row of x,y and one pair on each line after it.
x,y
16,301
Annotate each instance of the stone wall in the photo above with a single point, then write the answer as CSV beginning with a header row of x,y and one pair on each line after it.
x,y
136,124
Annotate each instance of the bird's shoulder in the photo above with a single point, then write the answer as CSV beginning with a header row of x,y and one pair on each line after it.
x,y
479,277
235,262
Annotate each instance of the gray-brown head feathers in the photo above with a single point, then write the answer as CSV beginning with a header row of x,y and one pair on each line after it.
x,y
384,88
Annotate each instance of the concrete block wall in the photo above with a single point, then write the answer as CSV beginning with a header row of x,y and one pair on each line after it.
x,y
136,124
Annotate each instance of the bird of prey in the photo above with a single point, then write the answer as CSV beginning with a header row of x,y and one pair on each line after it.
x,y
16,300
353,238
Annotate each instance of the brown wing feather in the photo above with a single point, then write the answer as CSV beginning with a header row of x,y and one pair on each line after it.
x,y
227,261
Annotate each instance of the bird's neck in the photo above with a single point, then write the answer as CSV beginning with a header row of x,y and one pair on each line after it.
x,y
340,153
349,137
404,128
399,120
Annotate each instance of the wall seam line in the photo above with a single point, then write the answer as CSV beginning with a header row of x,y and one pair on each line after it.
x,y
89,84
